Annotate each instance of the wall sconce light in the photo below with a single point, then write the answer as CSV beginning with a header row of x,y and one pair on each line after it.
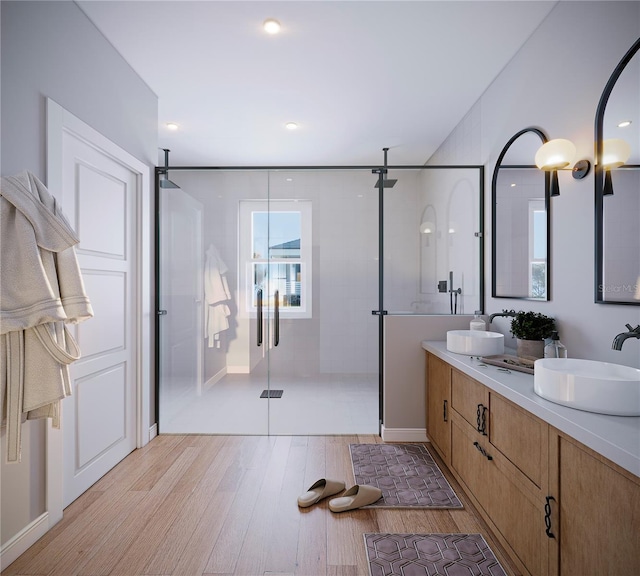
x,y
427,227
615,153
556,155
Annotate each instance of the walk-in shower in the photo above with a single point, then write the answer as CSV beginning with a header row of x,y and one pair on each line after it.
x,y
274,284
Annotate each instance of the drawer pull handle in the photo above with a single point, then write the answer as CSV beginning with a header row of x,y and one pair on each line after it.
x,y
444,410
482,451
481,419
547,516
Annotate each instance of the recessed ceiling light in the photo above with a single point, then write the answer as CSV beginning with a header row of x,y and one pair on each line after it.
x,y
289,179
624,124
172,126
291,125
513,185
271,26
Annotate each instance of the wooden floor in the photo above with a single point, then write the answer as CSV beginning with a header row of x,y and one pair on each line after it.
x,y
226,505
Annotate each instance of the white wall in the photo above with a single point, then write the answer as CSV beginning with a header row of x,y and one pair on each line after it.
x,y
50,49
554,83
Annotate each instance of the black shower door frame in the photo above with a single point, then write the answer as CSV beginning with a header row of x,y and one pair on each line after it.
x,y
381,172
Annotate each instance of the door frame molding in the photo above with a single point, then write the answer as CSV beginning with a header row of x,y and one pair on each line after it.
x,y
60,121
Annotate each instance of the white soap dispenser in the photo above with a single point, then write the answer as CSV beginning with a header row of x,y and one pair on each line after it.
x,y
555,348
477,323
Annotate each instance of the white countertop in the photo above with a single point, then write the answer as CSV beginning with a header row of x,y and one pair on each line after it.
x,y
614,437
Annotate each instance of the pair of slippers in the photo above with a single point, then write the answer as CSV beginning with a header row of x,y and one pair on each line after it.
x,y
356,497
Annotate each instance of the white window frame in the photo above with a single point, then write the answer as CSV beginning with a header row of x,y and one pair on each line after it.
x,y
246,260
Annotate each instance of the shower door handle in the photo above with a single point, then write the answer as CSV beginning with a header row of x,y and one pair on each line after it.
x,y
259,315
276,319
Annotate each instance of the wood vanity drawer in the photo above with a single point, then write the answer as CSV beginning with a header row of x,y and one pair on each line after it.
x,y
521,437
470,399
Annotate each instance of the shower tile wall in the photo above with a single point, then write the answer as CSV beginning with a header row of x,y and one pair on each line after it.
x,y
341,336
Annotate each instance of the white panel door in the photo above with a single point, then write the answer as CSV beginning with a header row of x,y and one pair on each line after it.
x,y
99,418
181,303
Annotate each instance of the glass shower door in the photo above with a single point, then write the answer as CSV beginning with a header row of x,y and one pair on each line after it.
x,y
289,272
326,360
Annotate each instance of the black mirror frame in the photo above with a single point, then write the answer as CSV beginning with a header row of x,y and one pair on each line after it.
x,y
599,176
494,181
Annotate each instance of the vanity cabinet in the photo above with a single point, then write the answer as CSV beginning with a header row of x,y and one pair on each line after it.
x,y
438,402
558,507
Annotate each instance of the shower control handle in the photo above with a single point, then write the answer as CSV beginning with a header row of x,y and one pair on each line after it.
x,y
259,315
276,318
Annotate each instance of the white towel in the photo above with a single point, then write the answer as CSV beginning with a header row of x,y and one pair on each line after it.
x,y
218,321
216,291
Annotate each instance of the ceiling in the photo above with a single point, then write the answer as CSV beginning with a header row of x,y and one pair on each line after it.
x,y
356,76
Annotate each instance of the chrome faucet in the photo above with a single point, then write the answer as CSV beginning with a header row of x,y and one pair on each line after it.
x,y
512,314
618,341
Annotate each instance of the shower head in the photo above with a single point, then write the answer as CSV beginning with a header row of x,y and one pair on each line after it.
x,y
164,176
166,183
386,182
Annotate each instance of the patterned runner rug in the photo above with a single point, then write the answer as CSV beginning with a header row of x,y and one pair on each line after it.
x,y
432,554
406,473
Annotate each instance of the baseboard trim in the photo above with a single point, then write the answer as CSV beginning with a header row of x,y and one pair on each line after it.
x,y
23,540
238,370
215,378
404,434
153,431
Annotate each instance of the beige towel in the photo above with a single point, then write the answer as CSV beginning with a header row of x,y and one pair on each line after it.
x,y
41,281
41,289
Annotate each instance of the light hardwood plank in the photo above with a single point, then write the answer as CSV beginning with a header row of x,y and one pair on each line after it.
x,y
130,539
244,494
227,505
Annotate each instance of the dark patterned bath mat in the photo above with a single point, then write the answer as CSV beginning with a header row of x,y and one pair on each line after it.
x,y
430,554
406,473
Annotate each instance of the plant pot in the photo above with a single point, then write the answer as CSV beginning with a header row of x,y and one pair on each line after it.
x,y
532,349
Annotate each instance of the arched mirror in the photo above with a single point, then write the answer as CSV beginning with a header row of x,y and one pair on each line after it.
x,y
520,220
617,185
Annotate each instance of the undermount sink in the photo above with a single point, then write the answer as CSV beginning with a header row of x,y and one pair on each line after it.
x,y
475,342
589,385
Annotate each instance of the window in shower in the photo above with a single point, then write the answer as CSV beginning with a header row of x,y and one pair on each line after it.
x,y
275,255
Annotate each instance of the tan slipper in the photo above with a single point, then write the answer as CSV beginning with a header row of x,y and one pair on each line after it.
x,y
356,497
323,488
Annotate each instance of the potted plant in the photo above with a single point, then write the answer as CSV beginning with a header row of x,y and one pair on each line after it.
x,y
530,329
